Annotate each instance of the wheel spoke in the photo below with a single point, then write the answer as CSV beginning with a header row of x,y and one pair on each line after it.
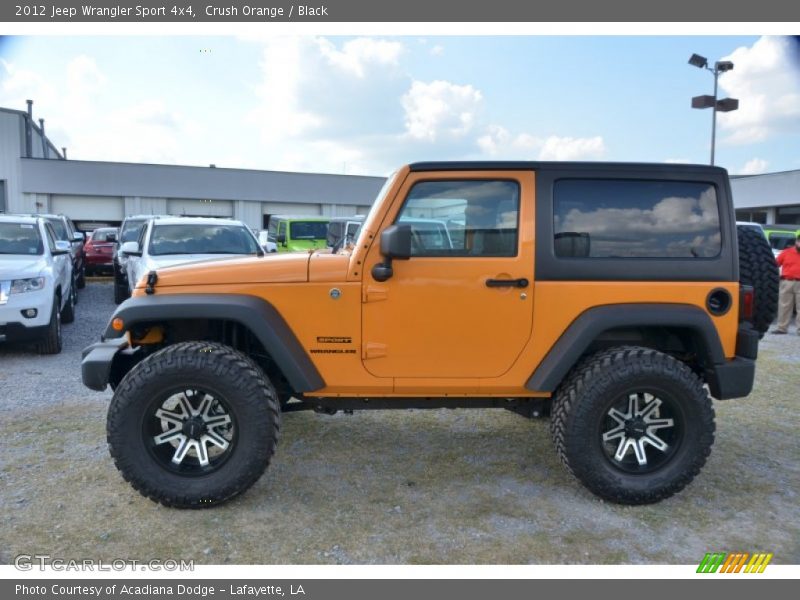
x,y
185,405
659,423
216,439
655,441
202,451
217,420
205,405
183,448
618,416
638,449
169,416
622,448
168,436
651,409
612,434
633,406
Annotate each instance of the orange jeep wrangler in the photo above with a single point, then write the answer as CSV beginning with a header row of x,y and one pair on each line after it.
x,y
614,298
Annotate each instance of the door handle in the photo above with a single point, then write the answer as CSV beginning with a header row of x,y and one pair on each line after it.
x,y
517,283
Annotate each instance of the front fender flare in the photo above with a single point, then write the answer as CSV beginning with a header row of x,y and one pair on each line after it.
x,y
255,313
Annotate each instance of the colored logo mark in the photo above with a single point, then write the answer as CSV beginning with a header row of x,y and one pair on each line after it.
x,y
734,562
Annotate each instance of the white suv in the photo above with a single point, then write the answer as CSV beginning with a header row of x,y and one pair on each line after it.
x,y
169,241
37,285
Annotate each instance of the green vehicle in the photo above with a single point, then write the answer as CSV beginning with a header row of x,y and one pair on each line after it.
x,y
298,234
781,236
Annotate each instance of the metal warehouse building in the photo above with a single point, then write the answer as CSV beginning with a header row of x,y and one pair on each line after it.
x,y
35,177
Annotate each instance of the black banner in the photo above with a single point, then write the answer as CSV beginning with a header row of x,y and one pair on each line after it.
x,y
351,589
336,11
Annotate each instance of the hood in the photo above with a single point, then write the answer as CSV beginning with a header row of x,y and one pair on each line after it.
x,y
21,266
270,268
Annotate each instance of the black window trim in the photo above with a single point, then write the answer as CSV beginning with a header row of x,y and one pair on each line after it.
x,y
457,180
548,267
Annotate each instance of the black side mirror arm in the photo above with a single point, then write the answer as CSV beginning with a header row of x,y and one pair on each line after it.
x,y
383,271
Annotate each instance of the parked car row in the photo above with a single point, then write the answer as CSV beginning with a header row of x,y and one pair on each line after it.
x,y
38,281
153,242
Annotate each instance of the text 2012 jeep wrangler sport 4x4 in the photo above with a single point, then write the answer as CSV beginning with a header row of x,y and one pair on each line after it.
x,y
609,296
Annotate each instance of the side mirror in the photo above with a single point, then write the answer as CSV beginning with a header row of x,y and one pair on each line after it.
x,y
78,237
131,249
62,247
281,239
395,244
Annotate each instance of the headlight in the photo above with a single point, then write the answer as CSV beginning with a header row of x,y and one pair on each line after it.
x,y
20,286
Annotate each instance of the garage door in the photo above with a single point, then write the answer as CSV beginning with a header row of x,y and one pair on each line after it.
x,y
89,208
200,208
292,208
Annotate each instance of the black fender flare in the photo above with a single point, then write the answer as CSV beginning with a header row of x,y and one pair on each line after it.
x,y
574,342
255,313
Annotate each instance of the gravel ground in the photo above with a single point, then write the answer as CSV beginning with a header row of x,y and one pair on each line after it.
x,y
480,486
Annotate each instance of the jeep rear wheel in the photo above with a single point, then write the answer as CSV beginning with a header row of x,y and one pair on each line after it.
x,y
757,268
193,425
632,424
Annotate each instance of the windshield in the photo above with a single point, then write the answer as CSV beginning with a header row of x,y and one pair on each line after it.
x,y
781,241
20,238
101,235
308,230
202,239
377,202
131,230
59,228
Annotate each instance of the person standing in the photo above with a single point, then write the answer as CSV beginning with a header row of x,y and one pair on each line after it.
x,y
789,295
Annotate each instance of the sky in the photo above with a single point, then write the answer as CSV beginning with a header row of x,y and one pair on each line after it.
x,y
366,105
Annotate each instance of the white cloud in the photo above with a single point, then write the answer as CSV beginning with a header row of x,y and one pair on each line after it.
x,y
437,50
81,117
766,80
677,161
356,56
440,109
498,142
754,166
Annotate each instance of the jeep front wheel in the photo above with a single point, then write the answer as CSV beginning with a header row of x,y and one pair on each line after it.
x,y
193,425
632,424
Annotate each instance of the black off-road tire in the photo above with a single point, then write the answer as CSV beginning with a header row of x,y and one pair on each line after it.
x,y
68,312
81,280
251,400
757,268
579,412
51,343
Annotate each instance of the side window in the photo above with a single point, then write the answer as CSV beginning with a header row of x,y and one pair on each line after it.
x,y
142,235
51,237
463,218
605,218
282,228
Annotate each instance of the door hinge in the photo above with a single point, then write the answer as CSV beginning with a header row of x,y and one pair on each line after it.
x,y
373,293
374,350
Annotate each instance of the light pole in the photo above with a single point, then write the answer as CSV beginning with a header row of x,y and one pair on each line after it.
x,y
724,105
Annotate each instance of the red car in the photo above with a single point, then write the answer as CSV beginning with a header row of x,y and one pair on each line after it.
x,y
100,249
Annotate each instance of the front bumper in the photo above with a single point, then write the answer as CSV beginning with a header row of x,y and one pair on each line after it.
x,y
14,327
98,361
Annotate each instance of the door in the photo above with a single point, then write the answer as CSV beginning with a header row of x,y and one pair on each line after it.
x,y
62,263
461,306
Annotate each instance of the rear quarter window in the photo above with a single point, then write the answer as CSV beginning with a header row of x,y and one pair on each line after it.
x,y
607,218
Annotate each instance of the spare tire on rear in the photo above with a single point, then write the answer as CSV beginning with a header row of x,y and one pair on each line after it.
x,y
757,268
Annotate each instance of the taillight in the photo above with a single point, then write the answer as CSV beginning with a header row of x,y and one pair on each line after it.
x,y
747,297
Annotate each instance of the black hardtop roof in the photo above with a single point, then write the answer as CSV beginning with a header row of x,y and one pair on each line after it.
x,y
560,166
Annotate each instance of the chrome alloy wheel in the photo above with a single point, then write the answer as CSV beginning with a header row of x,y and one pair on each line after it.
x,y
191,431
641,432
